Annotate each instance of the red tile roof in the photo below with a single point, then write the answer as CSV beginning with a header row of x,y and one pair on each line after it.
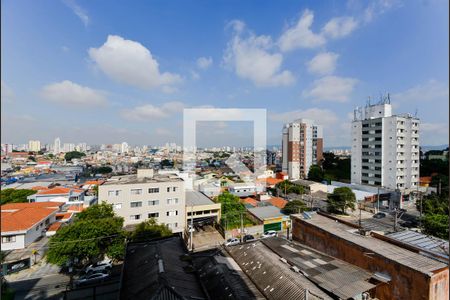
x,y
55,226
39,187
64,216
58,191
250,201
75,208
24,219
47,204
97,182
278,202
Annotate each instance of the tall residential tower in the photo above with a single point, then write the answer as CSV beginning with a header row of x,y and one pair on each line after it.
x,y
302,146
385,147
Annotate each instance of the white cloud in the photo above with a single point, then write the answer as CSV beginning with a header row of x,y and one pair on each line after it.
x,y
204,62
430,91
323,117
78,10
252,57
339,27
7,94
131,63
379,7
195,75
323,63
300,35
147,112
70,93
331,88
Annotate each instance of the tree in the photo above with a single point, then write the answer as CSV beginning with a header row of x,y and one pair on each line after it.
x,y
149,230
341,199
436,225
103,170
290,188
94,233
232,208
15,196
32,158
98,211
294,207
73,154
315,173
166,163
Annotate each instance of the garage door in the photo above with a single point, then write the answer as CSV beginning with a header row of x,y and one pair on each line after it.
x,y
273,226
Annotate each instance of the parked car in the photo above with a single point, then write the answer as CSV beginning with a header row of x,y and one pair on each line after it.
x,y
91,278
249,238
99,266
269,233
232,242
379,215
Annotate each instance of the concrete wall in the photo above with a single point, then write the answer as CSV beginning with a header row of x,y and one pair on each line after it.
x,y
405,283
18,244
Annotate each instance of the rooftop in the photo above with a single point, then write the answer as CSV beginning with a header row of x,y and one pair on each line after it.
x,y
304,182
195,198
384,249
23,218
278,202
155,270
266,212
272,277
133,179
338,277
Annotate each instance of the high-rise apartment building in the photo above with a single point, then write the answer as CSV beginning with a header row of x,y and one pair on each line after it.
x,y
302,147
385,147
57,146
34,146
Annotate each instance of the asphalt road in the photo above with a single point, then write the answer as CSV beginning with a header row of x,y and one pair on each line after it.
x,y
46,287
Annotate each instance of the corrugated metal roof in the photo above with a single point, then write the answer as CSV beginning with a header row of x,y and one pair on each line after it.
x,y
271,276
422,241
338,277
403,256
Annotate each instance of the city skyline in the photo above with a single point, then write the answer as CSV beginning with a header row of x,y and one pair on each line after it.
x,y
320,61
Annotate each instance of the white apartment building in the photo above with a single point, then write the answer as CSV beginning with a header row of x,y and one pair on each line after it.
x,y
34,146
385,148
146,195
57,146
302,147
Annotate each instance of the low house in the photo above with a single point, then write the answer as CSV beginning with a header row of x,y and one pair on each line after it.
x,y
201,209
278,202
245,189
311,186
71,195
23,223
270,217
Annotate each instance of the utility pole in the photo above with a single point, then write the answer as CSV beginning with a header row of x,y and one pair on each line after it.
x,y
242,226
378,199
439,187
192,228
359,216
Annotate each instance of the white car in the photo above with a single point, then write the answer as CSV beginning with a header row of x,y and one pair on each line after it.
x,y
232,242
269,233
91,278
104,265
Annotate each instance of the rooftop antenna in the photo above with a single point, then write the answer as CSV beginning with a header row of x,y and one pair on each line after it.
x,y
389,98
415,113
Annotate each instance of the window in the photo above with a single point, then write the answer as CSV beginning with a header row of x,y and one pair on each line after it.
x,y
47,221
135,217
174,189
136,191
136,204
153,202
117,206
172,225
9,239
172,213
114,193
172,201
153,215
153,190
168,189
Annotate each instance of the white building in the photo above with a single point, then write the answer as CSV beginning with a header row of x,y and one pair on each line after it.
x,y
385,148
57,146
124,148
146,195
34,146
302,146
68,147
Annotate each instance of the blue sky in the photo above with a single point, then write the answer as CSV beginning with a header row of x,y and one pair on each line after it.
x,y
113,71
